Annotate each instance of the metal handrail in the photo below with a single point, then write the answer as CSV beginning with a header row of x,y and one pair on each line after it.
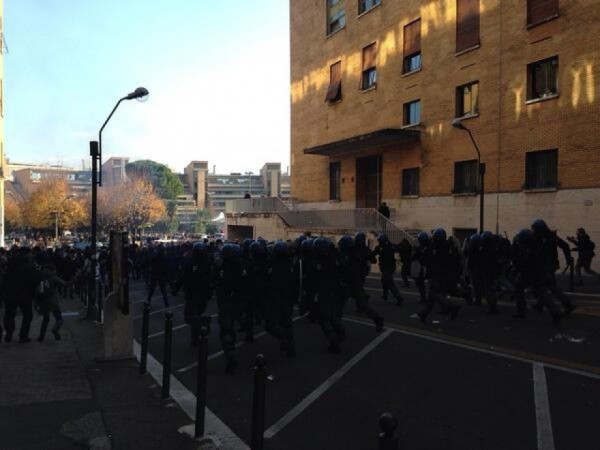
x,y
359,219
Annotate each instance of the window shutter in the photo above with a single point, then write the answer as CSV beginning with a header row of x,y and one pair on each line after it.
x,y
467,24
369,57
335,82
412,38
539,10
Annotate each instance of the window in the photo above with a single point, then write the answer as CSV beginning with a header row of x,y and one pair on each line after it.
x,y
335,178
541,169
369,69
542,79
467,99
365,5
467,24
410,182
412,46
334,93
336,15
539,11
465,177
412,113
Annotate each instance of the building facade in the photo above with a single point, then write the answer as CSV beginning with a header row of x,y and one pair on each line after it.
x,y
376,84
26,181
113,171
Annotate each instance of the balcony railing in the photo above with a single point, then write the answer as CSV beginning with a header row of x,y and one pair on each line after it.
x,y
348,220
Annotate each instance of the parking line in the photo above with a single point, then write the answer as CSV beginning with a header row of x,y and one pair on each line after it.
x,y
178,327
170,308
221,434
553,363
543,419
314,395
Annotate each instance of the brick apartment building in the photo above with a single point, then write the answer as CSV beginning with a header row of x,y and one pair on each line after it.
x,y
375,85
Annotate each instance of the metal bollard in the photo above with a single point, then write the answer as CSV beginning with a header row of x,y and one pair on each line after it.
x,y
388,439
100,299
258,404
571,278
201,382
145,330
166,381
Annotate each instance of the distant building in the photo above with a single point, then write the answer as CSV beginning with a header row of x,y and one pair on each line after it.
x,y
211,190
113,171
25,181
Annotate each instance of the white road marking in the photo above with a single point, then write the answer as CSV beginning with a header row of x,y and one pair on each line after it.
x,y
221,434
489,351
221,352
160,333
313,396
158,311
543,419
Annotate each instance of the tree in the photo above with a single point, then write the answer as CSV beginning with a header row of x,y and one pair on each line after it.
x,y
51,196
133,204
166,184
12,214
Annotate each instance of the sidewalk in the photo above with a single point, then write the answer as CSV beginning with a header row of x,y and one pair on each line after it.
x,y
57,395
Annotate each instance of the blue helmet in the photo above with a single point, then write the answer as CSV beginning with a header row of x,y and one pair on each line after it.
x,y
487,235
439,234
423,237
360,239
539,226
300,239
306,246
475,238
246,245
322,246
524,234
280,249
200,247
257,250
345,243
382,238
230,251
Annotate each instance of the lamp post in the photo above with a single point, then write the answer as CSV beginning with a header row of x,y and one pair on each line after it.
x,y
457,123
96,154
57,215
249,181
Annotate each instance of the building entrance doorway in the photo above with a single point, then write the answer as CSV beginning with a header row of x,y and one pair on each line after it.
x,y
368,182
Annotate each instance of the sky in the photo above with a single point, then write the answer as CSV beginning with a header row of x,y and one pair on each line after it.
x,y
217,72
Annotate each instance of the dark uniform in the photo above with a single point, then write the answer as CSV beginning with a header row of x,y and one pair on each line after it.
x,y
328,294
406,260
387,265
230,300
351,280
159,274
20,282
546,243
280,299
196,278
46,300
439,259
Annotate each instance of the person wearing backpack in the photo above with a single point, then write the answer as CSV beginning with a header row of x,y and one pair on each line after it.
x,y
584,247
46,300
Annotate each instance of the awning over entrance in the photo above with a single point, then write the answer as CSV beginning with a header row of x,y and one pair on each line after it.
x,y
386,136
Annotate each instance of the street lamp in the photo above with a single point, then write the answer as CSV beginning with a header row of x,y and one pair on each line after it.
x,y
249,181
57,215
457,123
96,154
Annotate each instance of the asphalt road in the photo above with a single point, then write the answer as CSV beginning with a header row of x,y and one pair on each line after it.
x,y
479,382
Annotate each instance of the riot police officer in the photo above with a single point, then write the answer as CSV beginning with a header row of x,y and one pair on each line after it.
x,y
196,277
352,282
440,258
387,265
230,300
